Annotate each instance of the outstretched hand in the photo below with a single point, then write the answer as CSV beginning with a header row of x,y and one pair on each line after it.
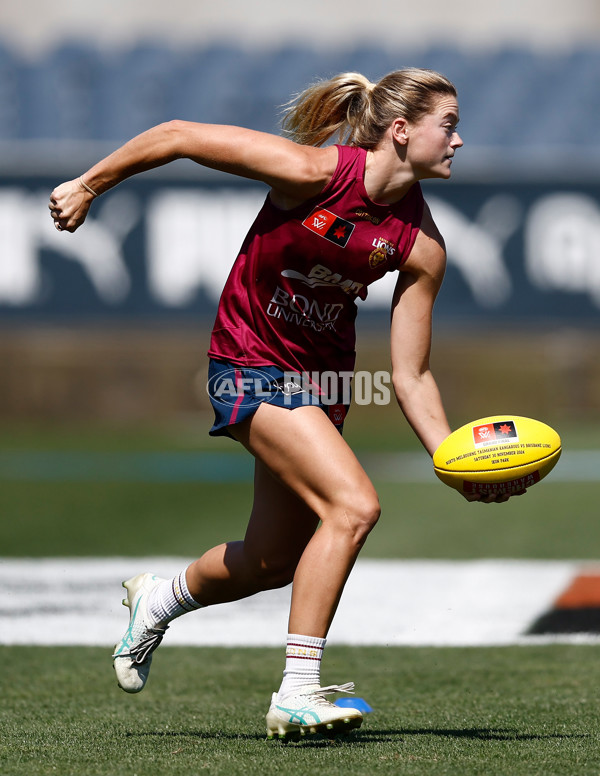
x,y
69,205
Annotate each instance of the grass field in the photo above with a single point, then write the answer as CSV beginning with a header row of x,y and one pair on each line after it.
x,y
120,518
73,517
513,710
436,711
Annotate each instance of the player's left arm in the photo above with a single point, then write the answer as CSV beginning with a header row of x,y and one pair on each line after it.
x,y
411,325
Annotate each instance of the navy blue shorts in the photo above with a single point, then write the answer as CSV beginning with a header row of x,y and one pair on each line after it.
x,y
237,392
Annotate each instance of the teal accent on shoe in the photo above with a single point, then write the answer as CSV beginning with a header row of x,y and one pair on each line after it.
x,y
127,639
298,716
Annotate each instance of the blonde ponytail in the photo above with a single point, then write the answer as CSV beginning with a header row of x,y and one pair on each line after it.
x,y
351,110
327,109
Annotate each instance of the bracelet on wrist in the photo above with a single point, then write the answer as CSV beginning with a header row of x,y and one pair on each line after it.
x,y
89,189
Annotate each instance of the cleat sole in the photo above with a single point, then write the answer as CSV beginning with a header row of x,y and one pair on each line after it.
x,y
338,727
283,736
287,732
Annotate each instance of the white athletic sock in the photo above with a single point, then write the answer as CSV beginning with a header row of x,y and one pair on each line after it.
x,y
170,599
302,663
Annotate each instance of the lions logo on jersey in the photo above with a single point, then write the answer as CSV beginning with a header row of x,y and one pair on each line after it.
x,y
383,249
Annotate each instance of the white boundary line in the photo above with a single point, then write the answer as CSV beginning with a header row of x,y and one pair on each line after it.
x,y
65,601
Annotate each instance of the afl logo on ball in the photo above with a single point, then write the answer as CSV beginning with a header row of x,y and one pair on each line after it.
x,y
494,433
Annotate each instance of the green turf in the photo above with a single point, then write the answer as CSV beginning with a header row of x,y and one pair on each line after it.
x,y
505,711
71,519
369,428
553,520
510,711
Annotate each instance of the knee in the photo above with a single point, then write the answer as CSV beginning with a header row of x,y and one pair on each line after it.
x,y
360,516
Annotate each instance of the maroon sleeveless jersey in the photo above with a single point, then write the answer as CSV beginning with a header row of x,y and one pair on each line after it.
x,y
290,299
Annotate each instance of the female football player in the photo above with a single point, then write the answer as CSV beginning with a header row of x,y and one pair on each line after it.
x,y
337,217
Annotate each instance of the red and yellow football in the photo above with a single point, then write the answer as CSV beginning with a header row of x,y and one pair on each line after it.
x,y
497,455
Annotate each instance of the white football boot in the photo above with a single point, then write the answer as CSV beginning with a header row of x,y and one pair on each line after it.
x,y
133,654
309,711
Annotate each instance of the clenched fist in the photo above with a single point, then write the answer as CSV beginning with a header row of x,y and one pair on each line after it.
x,y
69,204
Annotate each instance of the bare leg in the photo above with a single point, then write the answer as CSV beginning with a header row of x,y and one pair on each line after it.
x,y
279,529
318,477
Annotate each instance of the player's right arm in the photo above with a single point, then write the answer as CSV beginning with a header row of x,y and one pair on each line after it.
x,y
294,172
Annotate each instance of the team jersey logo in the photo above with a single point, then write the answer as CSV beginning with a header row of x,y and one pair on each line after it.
x,y
383,249
494,433
323,276
337,414
367,216
377,257
329,226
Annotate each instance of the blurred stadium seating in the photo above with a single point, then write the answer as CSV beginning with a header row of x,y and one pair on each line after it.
x,y
63,108
511,97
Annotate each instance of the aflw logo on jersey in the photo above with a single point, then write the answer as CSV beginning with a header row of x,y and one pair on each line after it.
x,y
329,226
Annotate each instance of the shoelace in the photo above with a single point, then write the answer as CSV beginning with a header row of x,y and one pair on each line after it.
x,y
139,654
320,692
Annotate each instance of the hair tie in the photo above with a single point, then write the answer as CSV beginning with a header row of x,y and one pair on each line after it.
x,y
86,187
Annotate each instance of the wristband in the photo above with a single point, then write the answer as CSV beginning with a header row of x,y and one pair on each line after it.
x,y
87,188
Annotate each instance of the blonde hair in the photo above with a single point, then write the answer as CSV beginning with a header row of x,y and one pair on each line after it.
x,y
352,110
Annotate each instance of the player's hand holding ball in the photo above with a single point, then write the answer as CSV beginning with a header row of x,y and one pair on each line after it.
x,y
494,458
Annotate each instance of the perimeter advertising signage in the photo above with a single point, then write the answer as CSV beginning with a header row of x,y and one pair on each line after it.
x,y
152,249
